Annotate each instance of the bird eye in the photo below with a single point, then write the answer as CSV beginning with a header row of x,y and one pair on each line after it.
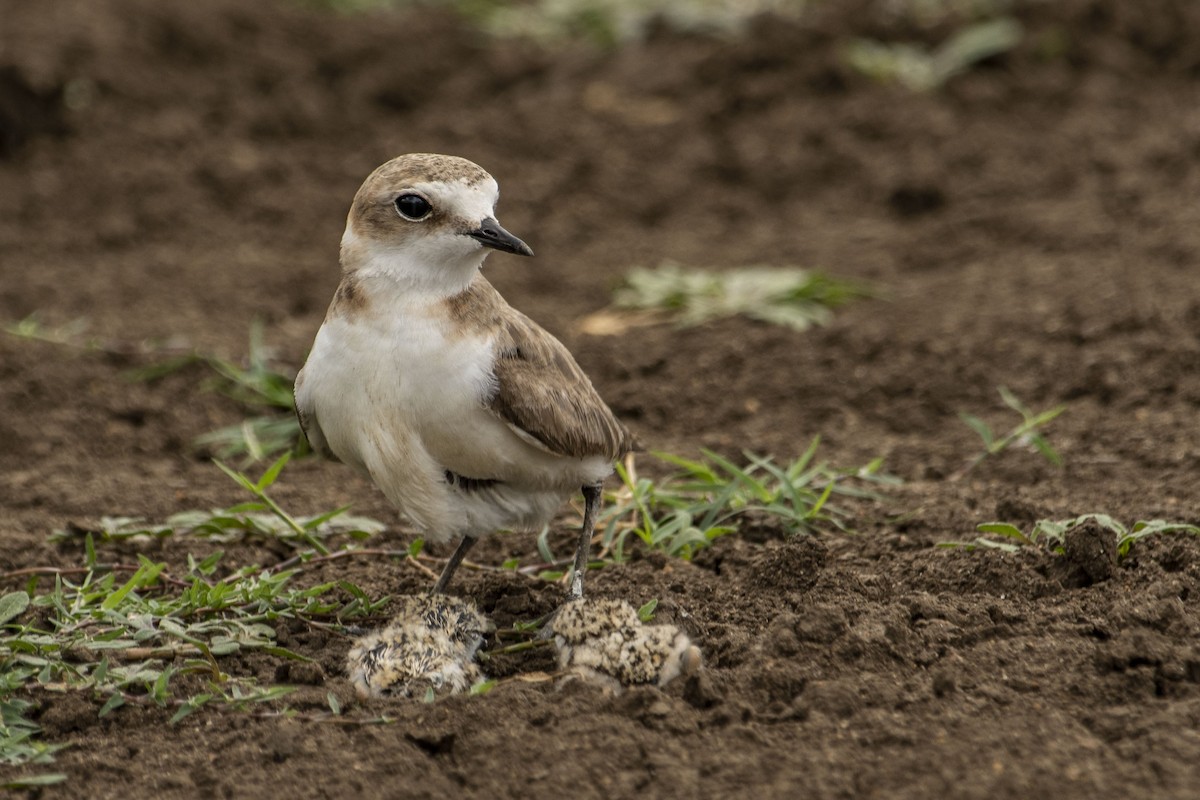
x,y
413,206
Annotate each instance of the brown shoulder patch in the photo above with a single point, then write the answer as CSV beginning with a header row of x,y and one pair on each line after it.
x,y
477,309
349,299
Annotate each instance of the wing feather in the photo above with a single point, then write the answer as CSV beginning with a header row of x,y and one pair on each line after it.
x,y
540,390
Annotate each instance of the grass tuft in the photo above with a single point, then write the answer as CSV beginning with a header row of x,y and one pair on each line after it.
x,y
924,69
259,386
1051,534
262,519
1028,433
795,298
139,634
713,496
605,23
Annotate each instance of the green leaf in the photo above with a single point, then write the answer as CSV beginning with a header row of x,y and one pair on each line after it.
x,y
159,691
543,542
354,591
1008,547
973,44
646,612
1046,450
335,705
13,605
283,652
785,296
273,471
115,701
101,671
416,547
1013,402
817,506
696,468
33,781
1002,529
483,687
109,644
146,574
209,564
188,707
320,520
238,477
979,426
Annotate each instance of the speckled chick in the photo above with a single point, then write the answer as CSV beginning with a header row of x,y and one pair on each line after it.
x,y
603,641
430,644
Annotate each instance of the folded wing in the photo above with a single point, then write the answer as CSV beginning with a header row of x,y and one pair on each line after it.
x,y
543,394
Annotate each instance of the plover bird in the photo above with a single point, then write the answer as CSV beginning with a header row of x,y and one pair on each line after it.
x,y
463,411
603,641
429,645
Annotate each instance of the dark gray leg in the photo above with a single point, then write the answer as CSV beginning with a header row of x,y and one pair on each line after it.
x,y
591,510
455,559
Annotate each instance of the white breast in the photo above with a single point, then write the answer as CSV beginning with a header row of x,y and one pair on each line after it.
x,y
400,396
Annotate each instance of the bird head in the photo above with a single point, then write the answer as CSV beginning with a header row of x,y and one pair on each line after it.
x,y
427,222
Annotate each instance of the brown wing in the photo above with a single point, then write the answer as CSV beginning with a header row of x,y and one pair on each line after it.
x,y
543,392
540,390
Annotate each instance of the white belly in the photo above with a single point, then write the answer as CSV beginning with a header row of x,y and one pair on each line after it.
x,y
401,398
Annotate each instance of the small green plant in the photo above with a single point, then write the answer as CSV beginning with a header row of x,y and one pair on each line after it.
x,y
713,497
1027,433
796,298
922,69
139,634
605,23
257,386
1050,534
70,334
261,519
612,22
646,612
18,744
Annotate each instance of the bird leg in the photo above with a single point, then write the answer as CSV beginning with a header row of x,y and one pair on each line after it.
x,y
591,510
456,558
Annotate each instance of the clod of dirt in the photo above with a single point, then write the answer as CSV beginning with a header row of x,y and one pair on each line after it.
x,y
307,673
822,623
648,705
793,565
943,682
916,200
283,743
67,713
1092,549
701,692
26,112
1177,557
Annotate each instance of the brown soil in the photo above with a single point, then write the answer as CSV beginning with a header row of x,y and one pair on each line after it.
x,y
171,171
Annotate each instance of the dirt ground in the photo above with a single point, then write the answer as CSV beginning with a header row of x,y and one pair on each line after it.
x,y
171,171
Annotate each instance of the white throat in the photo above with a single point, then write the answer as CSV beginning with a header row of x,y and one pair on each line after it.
x,y
421,268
